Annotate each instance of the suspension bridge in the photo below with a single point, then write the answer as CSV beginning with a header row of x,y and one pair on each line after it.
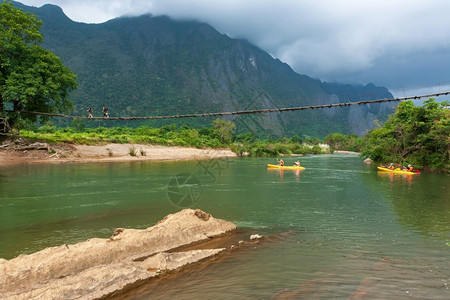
x,y
239,112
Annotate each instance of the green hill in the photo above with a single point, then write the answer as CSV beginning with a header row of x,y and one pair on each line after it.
x,y
147,65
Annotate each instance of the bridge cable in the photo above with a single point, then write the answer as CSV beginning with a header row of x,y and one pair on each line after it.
x,y
240,112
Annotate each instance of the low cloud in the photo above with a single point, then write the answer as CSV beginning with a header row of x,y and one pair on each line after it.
x,y
346,41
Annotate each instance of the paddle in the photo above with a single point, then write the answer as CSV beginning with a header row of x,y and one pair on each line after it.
x,y
416,171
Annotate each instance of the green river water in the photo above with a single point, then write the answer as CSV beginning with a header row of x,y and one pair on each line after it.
x,y
353,232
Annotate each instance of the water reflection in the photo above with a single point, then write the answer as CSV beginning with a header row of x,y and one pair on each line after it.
x,y
281,172
393,177
421,202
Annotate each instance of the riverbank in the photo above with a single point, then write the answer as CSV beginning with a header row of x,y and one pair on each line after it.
x,y
345,152
98,268
73,153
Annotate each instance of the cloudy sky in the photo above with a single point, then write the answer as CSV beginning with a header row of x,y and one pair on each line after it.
x,y
400,44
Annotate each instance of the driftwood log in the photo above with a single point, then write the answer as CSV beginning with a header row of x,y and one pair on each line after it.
x,y
35,146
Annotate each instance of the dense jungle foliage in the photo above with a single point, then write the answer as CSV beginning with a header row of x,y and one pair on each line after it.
x,y
417,135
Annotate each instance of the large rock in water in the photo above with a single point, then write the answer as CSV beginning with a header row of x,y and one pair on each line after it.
x,y
99,267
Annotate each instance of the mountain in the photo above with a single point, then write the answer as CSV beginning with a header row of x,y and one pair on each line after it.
x,y
139,66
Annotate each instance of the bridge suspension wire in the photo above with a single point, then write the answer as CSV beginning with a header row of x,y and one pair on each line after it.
x,y
239,112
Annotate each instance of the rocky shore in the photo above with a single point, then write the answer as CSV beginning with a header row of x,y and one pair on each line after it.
x,y
98,268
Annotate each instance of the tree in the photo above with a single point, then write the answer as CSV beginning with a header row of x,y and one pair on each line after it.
x,y
31,78
224,130
339,141
296,139
416,135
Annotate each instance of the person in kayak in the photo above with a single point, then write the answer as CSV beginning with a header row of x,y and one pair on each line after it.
x,y
391,166
297,163
409,168
281,162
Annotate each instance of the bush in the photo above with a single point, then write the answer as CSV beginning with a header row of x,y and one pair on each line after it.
x,y
25,124
296,139
78,125
132,151
47,129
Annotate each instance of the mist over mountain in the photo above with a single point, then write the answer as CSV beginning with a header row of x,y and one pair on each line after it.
x,y
147,65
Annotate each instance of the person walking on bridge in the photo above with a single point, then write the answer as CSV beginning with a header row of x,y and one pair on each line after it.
x,y
105,112
89,110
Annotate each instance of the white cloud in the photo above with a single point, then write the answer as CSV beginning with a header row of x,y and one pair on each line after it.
x,y
326,39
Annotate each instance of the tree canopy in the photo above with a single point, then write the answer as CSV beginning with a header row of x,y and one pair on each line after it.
x,y
418,135
339,141
224,129
31,78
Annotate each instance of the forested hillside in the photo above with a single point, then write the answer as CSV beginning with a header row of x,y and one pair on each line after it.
x,y
157,66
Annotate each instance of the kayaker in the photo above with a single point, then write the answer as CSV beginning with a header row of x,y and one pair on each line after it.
x,y
281,162
409,168
297,163
391,166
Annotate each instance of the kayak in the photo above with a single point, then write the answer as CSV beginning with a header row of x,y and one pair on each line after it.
x,y
285,167
395,171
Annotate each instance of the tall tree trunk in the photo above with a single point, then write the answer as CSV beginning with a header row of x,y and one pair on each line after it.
x,y
17,105
2,118
15,115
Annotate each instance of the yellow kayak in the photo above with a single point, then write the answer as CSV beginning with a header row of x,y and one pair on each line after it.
x,y
395,171
285,167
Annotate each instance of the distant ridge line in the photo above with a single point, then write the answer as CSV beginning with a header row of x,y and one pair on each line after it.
x,y
240,112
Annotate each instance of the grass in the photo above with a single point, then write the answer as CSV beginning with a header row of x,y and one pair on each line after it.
x,y
132,151
171,136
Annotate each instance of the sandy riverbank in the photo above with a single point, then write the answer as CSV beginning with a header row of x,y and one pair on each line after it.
x,y
345,152
71,153
100,267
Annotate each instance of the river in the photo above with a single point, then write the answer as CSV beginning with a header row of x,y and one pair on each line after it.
x,y
352,232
